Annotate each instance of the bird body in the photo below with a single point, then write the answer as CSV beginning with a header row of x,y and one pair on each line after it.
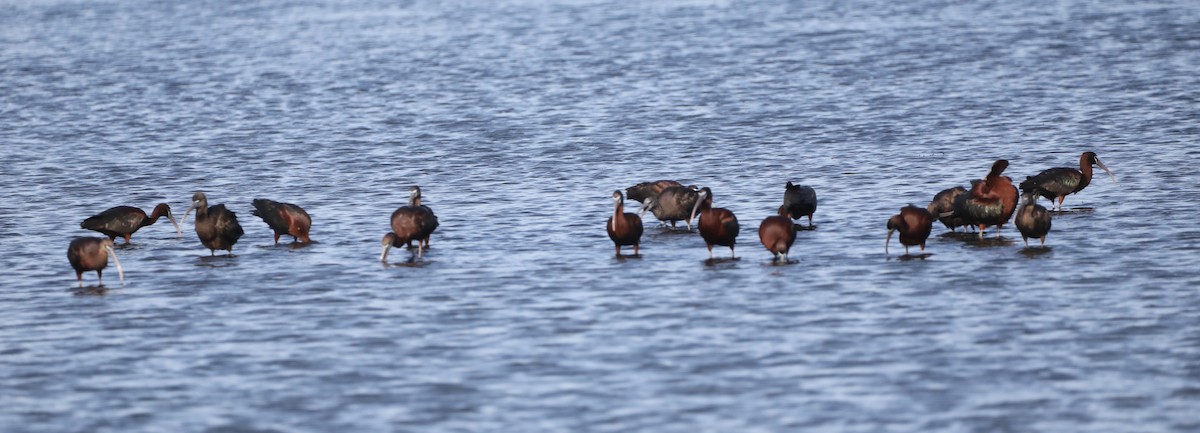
x,y
798,201
645,190
1032,220
718,226
943,203
216,226
284,219
624,228
91,254
674,204
414,222
777,234
990,202
1058,182
914,225
124,221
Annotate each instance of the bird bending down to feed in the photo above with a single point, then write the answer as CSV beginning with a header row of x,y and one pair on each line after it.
x,y
914,225
1058,182
624,228
217,227
718,226
284,219
91,254
414,222
1033,220
124,221
777,234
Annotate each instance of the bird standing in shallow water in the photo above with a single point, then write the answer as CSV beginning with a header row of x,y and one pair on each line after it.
x,y
284,219
798,201
943,203
914,225
777,234
990,202
1057,182
91,254
624,228
217,227
673,204
718,226
413,222
645,190
124,221
1033,220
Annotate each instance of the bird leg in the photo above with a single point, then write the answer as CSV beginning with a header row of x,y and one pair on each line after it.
x,y
277,238
1060,200
635,250
127,239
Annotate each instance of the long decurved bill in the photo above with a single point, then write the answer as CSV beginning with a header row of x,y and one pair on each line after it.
x,y
178,230
1106,170
113,254
886,242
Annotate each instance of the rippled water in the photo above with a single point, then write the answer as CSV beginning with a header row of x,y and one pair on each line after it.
x,y
518,119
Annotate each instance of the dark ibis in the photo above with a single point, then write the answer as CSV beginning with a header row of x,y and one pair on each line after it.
x,y
645,190
284,219
1058,182
798,201
942,208
217,227
91,254
674,204
124,221
778,234
914,225
990,202
718,226
1033,220
624,228
414,222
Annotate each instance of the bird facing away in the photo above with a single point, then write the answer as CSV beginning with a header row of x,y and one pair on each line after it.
x,y
217,227
645,190
1033,220
124,221
943,203
624,228
413,222
798,201
284,219
1058,182
914,225
777,234
990,202
674,204
91,254
718,226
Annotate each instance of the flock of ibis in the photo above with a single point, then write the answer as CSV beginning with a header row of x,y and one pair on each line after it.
x,y
990,201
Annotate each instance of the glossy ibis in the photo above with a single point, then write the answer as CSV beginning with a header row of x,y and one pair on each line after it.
x,y
718,226
1057,182
674,204
124,221
624,228
798,201
1033,220
91,254
645,190
990,202
284,219
943,203
778,234
413,222
914,225
217,227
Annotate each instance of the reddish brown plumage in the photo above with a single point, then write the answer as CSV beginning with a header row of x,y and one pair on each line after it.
x,y
624,228
124,221
777,234
284,219
914,225
91,254
990,202
718,226
414,222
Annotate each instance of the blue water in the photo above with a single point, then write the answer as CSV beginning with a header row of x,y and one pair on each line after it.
x,y
518,119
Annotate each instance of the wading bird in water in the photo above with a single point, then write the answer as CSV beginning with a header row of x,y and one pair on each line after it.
x,y
645,190
284,219
778,234
1057,182
798,201
990,202
624,228
124,221
673,204
413,222
914,225
943,204
718,226
1033,220
217,227
91,254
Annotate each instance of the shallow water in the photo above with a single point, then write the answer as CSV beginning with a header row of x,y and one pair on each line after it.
x,y
519,119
